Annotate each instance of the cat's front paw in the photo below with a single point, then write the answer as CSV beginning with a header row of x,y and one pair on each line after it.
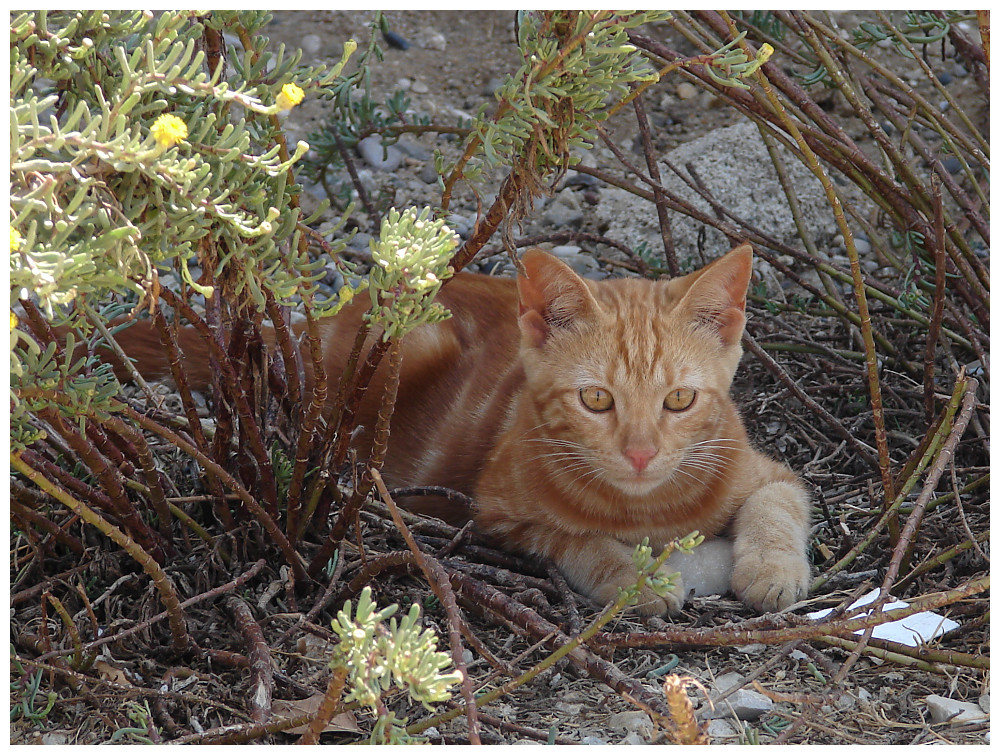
x,y
770,581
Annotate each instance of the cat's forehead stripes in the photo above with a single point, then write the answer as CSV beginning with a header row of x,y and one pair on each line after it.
x,y
646,343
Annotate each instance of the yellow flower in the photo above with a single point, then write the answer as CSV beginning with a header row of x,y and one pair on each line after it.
x,y
764,53
15,240
169,130
13,320
290,96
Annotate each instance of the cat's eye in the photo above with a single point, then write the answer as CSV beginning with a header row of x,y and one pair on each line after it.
x,y
596,399
679,399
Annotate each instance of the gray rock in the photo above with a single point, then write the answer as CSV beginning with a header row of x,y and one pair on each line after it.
x,y
631,721
385,159
360,241
460,224
311,43
744,704
749,705
492,86
428,174
582,264
720,728
955,712
726,682
566,250
593,741
565,211
734,165
419,87
414,150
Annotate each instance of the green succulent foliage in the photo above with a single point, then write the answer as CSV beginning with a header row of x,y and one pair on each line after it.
x,y
106,198
380,656
563,96
410,260
647,567
99,203
41,380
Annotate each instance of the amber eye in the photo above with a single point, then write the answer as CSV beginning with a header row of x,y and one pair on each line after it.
x,y
679,399
596,399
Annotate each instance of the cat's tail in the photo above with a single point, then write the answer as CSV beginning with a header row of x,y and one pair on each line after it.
x,y
141,342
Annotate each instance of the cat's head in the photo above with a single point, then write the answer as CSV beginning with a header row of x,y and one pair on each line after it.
x,y
630,378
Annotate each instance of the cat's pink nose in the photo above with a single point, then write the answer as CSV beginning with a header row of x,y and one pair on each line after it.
x,y
640,457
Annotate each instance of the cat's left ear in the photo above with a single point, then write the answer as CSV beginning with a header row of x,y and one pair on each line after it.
x,y
718,298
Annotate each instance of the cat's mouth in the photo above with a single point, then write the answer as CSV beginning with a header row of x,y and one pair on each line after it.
x,y
639,483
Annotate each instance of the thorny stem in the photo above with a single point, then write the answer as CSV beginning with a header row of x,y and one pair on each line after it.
x,y
308,432
262,517
891,511
570,647
178,624
328,708
380,445
871,356
769,630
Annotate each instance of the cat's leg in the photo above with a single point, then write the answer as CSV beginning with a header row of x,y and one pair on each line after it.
x,y
770,569
598,566
707,570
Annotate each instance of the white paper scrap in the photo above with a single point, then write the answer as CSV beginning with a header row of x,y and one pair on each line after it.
x,y
914,630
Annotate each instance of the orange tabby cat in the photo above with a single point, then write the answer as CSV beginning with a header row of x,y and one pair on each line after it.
x,y
583,417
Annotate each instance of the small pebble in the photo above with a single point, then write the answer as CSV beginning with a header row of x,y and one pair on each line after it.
x,y
311,43
388,159
567,250
952,164
593,741
634,721
720,728
430,39
686,90
945,78
492,86
419,87
395,40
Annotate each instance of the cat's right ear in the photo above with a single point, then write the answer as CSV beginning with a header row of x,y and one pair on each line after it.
x,y
551,296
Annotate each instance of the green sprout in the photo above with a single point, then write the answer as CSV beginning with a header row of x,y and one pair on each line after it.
x,y
379,657
410,263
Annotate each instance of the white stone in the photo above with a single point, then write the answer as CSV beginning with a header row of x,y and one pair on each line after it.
x,y
566,250
955,712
